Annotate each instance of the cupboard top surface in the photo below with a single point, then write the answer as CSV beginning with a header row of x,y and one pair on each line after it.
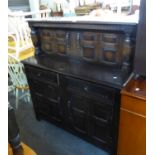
x,y
115,19
135,88
125,27
78,69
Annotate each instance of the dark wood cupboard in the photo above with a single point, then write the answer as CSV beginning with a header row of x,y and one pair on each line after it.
x,y
76,76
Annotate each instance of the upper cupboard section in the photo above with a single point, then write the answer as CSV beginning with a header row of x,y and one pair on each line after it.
x,y
105,47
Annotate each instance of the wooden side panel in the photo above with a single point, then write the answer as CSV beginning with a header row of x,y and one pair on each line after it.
x,y
132,134
132,127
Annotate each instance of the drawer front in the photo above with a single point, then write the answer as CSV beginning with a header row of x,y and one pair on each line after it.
x,y
133,104
42,75
106,94
49,91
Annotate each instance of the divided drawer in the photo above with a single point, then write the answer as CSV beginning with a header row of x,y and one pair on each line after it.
x,y
47,90
103,93
40,74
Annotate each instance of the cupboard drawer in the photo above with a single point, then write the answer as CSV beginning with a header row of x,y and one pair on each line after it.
x,y
106,94
42,75
49,91
133,104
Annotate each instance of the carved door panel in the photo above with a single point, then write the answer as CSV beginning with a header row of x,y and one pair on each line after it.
x,y
45,40
61,37
101,122
89,46
111,49
77,112
47,107
54,41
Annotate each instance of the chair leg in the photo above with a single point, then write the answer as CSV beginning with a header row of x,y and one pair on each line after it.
x,y
14,91
28,98
17,98
24,96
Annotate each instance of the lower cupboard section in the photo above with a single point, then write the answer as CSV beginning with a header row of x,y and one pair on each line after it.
x,y
85,109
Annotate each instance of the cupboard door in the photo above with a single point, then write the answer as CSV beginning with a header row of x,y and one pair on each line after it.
x,y
47,108
101,122
77,112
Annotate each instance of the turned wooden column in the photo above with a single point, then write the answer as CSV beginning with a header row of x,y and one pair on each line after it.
x,y
127,55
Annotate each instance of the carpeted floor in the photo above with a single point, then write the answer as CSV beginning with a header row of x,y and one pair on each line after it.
x,y
46,138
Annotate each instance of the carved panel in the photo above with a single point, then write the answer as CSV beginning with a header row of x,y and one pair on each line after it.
x,y
88,43
108,48
54,41
111,49
127,56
